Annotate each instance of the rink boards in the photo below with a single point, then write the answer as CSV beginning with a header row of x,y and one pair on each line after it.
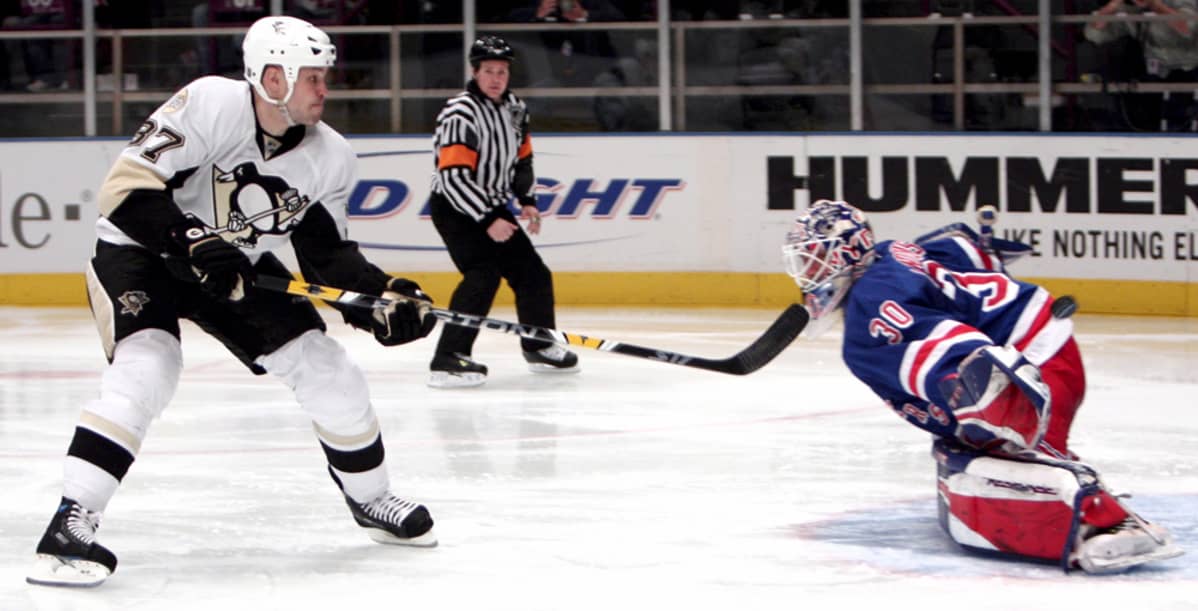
x,y
691,219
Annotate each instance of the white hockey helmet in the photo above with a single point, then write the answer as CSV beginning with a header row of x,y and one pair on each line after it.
x,y
286,42
829,247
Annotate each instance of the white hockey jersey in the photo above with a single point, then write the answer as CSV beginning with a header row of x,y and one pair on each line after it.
x,y
202,146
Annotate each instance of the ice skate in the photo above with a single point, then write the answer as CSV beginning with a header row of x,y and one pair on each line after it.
x,y
68,554
455,370
554,359
392,520
1127,544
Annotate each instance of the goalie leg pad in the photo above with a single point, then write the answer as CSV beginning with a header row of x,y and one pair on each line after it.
x,y
1018,507
1001,505
1042,507
998,396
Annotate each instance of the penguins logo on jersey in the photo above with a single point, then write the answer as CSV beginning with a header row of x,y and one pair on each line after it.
x,y
132,302
248,204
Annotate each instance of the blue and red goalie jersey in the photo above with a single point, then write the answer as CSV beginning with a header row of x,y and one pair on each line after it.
x,y
923,306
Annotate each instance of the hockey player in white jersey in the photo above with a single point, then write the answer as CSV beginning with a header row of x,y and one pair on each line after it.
x,y
218,177
939,330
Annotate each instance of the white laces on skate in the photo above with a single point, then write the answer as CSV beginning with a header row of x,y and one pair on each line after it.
x,y
389,508
82,524
551,359
553,353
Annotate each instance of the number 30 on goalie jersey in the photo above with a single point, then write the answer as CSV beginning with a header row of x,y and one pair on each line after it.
x,y
921,309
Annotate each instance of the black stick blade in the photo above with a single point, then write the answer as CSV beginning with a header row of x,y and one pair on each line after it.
x,y
781,334
764,349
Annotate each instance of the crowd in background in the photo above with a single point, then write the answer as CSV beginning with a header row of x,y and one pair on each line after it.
x,y
1121,54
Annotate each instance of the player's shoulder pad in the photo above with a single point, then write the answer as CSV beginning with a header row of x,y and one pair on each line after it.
x,y
217,89
887,278
336,145
332,138
337,155
208,97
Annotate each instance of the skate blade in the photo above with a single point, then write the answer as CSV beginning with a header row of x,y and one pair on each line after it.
x,y
428,539
50,570
444,379
1099,566
543,368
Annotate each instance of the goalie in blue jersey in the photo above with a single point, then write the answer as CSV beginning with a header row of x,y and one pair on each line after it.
x,y
988,365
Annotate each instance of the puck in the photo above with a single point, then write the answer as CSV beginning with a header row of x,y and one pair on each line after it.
x,y
1063,307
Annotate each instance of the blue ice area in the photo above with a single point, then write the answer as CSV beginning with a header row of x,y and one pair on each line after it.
x,y
906,538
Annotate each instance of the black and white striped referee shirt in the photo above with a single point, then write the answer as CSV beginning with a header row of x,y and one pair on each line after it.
x,y
483,153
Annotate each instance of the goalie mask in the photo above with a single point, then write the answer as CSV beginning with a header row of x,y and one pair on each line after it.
x,y
828,248
286,42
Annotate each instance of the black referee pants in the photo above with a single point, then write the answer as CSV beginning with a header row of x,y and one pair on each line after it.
x,y
483,262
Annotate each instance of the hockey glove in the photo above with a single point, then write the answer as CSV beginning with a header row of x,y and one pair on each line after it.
x,y
222,269
998,396
407,318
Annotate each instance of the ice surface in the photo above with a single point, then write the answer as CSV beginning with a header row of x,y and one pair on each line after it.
x,y
632,485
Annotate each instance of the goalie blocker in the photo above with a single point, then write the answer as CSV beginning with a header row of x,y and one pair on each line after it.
x,y
998,397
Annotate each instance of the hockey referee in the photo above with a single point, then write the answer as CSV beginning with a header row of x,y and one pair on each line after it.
x,y
483,157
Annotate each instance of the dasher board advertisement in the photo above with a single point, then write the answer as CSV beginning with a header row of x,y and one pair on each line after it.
x,y
1096,207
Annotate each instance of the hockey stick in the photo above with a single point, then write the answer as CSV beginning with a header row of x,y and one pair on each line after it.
x,y
763,350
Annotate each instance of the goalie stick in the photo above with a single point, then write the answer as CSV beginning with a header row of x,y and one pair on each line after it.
x,y
776,338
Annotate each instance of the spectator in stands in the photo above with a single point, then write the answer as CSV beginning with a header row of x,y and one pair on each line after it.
x,y
705,10
222,54
45,59
568,10
574,58
8,8
637,10
386,12
629,113
316,11
1170,56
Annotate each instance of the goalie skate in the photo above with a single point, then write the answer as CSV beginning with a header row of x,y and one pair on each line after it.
x,y
68,554
1128,544
454,370
554,359
394,521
